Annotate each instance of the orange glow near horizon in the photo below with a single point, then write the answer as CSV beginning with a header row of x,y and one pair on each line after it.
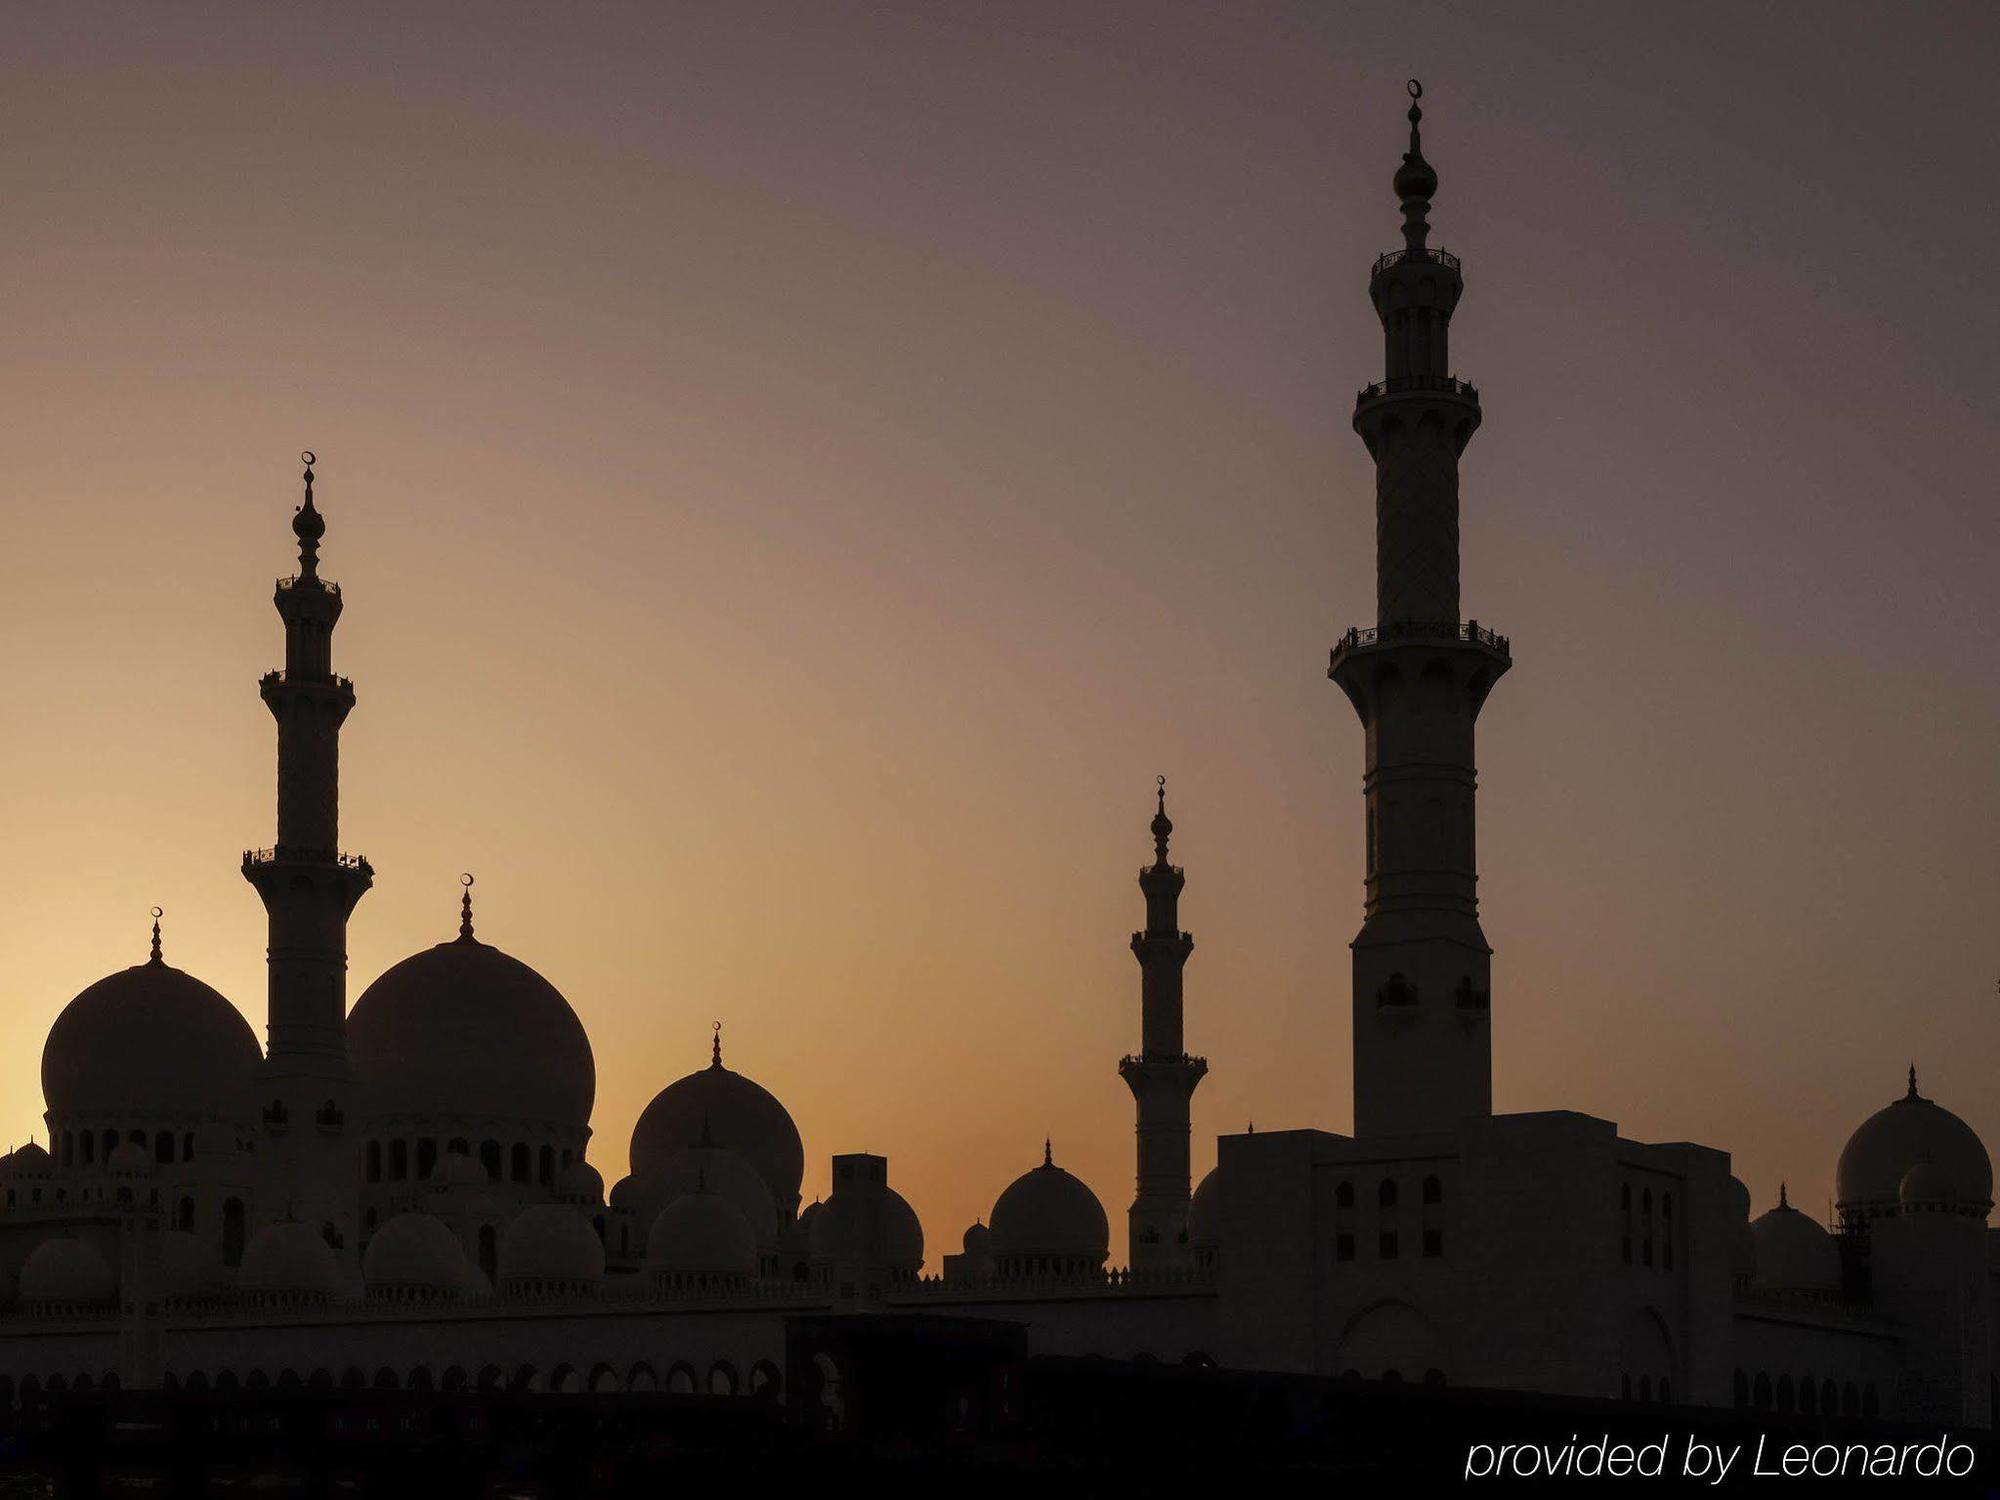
x,y
797,478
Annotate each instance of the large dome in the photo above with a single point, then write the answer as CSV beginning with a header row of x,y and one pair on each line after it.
x,y
150,1041
709,1168
840,1232
1794,1252
66,1272
287,1259
702,1234
1047,1213
1911,1132
414,1254
730,1111
464,1030
550,1245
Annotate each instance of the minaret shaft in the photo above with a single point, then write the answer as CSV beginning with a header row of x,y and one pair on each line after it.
x,y
1162,1076
1417,680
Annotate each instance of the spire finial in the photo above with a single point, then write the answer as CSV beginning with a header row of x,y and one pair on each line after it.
x,y
465,909
308,525
1913,1094
1415,181
1163,826
1048,1152
715,1049
157,914
1784,1197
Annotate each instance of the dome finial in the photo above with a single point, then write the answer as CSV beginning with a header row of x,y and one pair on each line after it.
x,y
308,525
1048,1152
1913,1094
157,914
1415,182
1163,826
1784,1196
715,1048
465,910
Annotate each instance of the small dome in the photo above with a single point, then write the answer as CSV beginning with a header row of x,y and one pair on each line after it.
x,y
702,1234
414,1254
550,1244
718,1171
458,1169
129,1159
974,1240
66,1272
730,1111
1930,1186
1794,1252
580,1182
29,1161
1911,1131
841,1231
150,1041
188,1265
463,1030
285,1260
1047,1213
1202,1209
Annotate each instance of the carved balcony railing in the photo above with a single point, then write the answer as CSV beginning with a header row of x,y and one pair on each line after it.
x,y
1397,385
1390,258
280,677
1450,630
291,581
316,856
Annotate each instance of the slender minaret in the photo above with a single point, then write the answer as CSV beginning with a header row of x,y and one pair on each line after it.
x,y
1422,1034
1161,1075
309,888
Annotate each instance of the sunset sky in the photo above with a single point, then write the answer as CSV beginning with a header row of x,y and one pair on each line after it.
x,y
798,472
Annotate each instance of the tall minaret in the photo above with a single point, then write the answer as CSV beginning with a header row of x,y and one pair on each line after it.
x,y
309,888
1422,1036
1161,1075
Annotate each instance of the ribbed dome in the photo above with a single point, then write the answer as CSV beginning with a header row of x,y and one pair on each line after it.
x,y
841,1232
1048,1212
66,1272
720,1172
150,1041
734,1113
1202,1210
550,1243
287,1259
702,1234
1794,1252
188,1265
1911,1131
463,1030
414,1253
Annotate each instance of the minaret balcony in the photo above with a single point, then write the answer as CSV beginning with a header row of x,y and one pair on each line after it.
x,y
1365,637
1390,258
324,585
282,678
283,855
1403,385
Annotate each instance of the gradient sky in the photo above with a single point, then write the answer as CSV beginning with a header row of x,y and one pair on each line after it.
x,y
798,472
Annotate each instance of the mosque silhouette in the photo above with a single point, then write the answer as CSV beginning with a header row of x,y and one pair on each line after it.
x,y
398,1200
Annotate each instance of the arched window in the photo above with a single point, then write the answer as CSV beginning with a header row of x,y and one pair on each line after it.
x,y
722,1379
399,1160
1808,1396
545,1166
489,1251
232,1232
427,1155
1343,1196
163,1147
66,1152
108,1144
89,1148
1433,1190
1785,1394
489,1158
1760,1392
184,1216
1385,1195
374,1161
520,1161
187,1146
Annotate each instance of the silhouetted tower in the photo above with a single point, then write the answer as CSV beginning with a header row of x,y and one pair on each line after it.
x,y
309,888
1161,1075
1422,1033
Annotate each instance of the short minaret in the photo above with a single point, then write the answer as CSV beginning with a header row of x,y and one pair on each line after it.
x,y
1161,1075
1417,678
309,888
